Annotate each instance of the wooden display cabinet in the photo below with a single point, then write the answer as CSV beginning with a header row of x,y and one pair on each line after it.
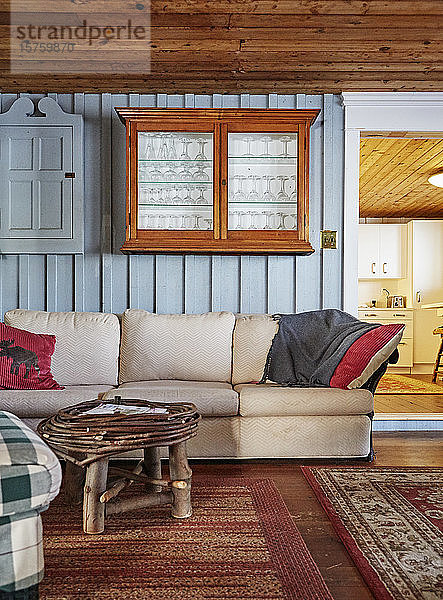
x,y
217,181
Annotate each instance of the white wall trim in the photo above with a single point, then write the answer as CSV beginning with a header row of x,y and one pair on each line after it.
x,y
376,111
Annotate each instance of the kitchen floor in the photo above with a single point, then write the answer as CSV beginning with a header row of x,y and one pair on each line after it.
x,y
411,403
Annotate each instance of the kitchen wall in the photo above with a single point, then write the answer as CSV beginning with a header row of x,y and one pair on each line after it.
x,y
102,279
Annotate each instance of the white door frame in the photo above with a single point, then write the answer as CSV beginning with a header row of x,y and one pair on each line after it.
x,y
376,111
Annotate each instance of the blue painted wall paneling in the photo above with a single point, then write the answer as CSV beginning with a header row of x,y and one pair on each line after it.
x,y
104,279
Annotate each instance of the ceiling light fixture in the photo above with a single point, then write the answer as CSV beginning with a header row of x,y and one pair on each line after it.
x,y
436,179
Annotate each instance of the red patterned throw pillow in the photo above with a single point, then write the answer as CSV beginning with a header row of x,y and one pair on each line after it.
x,y
25,360
366,355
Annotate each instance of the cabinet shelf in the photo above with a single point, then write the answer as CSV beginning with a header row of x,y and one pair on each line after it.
x,y
240,147
176,182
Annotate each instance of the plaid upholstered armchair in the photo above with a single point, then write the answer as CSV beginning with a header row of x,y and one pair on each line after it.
x,y
30,478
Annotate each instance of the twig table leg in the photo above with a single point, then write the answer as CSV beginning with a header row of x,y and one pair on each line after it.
x,y
152,467
181,481
73,484
95,485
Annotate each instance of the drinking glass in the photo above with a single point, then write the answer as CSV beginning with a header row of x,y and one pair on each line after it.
x,y
201,197
172,152
239,195
248,141
253,195
164,150
176,198
293,196
170,174
266,140
282,196
200,174
201,151
268,196
155,174
285,141
185,174
187,198
185,154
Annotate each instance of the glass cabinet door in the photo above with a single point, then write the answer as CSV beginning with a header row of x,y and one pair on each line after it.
x,y
174,181
262,181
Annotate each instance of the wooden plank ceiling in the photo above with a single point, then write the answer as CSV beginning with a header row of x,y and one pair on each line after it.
x,y
262,46
393,176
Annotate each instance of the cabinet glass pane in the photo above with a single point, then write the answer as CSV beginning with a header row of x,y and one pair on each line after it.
x,y
175,180
262,172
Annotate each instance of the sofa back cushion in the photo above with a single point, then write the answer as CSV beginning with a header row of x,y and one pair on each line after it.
x,y
86,346
253,336
185,347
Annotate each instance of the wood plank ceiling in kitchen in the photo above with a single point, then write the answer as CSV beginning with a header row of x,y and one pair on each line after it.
x,y
393,176
265,46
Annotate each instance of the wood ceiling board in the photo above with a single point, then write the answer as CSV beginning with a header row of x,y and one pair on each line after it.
x,y
393,177
261,46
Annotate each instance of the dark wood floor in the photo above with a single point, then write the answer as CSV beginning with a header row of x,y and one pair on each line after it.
x,y
337,568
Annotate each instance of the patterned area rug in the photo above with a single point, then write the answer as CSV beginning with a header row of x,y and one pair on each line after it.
x,y
392,383
390,520
240,543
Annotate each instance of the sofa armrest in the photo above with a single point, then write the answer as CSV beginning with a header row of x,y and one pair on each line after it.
x,y
30,473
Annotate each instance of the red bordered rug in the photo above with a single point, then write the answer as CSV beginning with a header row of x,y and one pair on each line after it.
x,y
240,543
390,520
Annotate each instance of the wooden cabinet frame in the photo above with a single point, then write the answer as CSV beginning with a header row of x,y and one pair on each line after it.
x,y
220,122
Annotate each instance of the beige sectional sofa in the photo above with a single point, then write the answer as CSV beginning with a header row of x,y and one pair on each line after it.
x,y
213,360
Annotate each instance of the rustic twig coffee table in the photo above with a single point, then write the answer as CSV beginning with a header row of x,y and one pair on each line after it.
x,y
87,435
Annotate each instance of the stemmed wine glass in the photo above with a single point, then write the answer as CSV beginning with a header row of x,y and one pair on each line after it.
x,y
201,151
200,174
253,195
266,139
164,150
185,174
293,196
172,152
176,199
201,198
285,141
239,195
185,154
248,141
268,196
282,196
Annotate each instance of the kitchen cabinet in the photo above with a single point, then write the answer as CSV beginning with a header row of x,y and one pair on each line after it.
x,y
382,251
385,316
217,181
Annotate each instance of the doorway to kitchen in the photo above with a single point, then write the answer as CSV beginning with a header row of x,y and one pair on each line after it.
x,y
385,113
400,265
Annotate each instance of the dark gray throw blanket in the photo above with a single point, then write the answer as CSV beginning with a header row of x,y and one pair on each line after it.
x,y
308,347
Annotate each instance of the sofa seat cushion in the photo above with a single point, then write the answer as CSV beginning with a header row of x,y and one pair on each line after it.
x,y
212,398
271,400
183,347
86,347
45,403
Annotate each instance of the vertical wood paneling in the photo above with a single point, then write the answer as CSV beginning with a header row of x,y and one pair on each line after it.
x,y
120,262
104,279
92,271
308,280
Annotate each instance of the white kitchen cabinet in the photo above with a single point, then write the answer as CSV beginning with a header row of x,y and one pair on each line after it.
x,y
382,251
385,316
